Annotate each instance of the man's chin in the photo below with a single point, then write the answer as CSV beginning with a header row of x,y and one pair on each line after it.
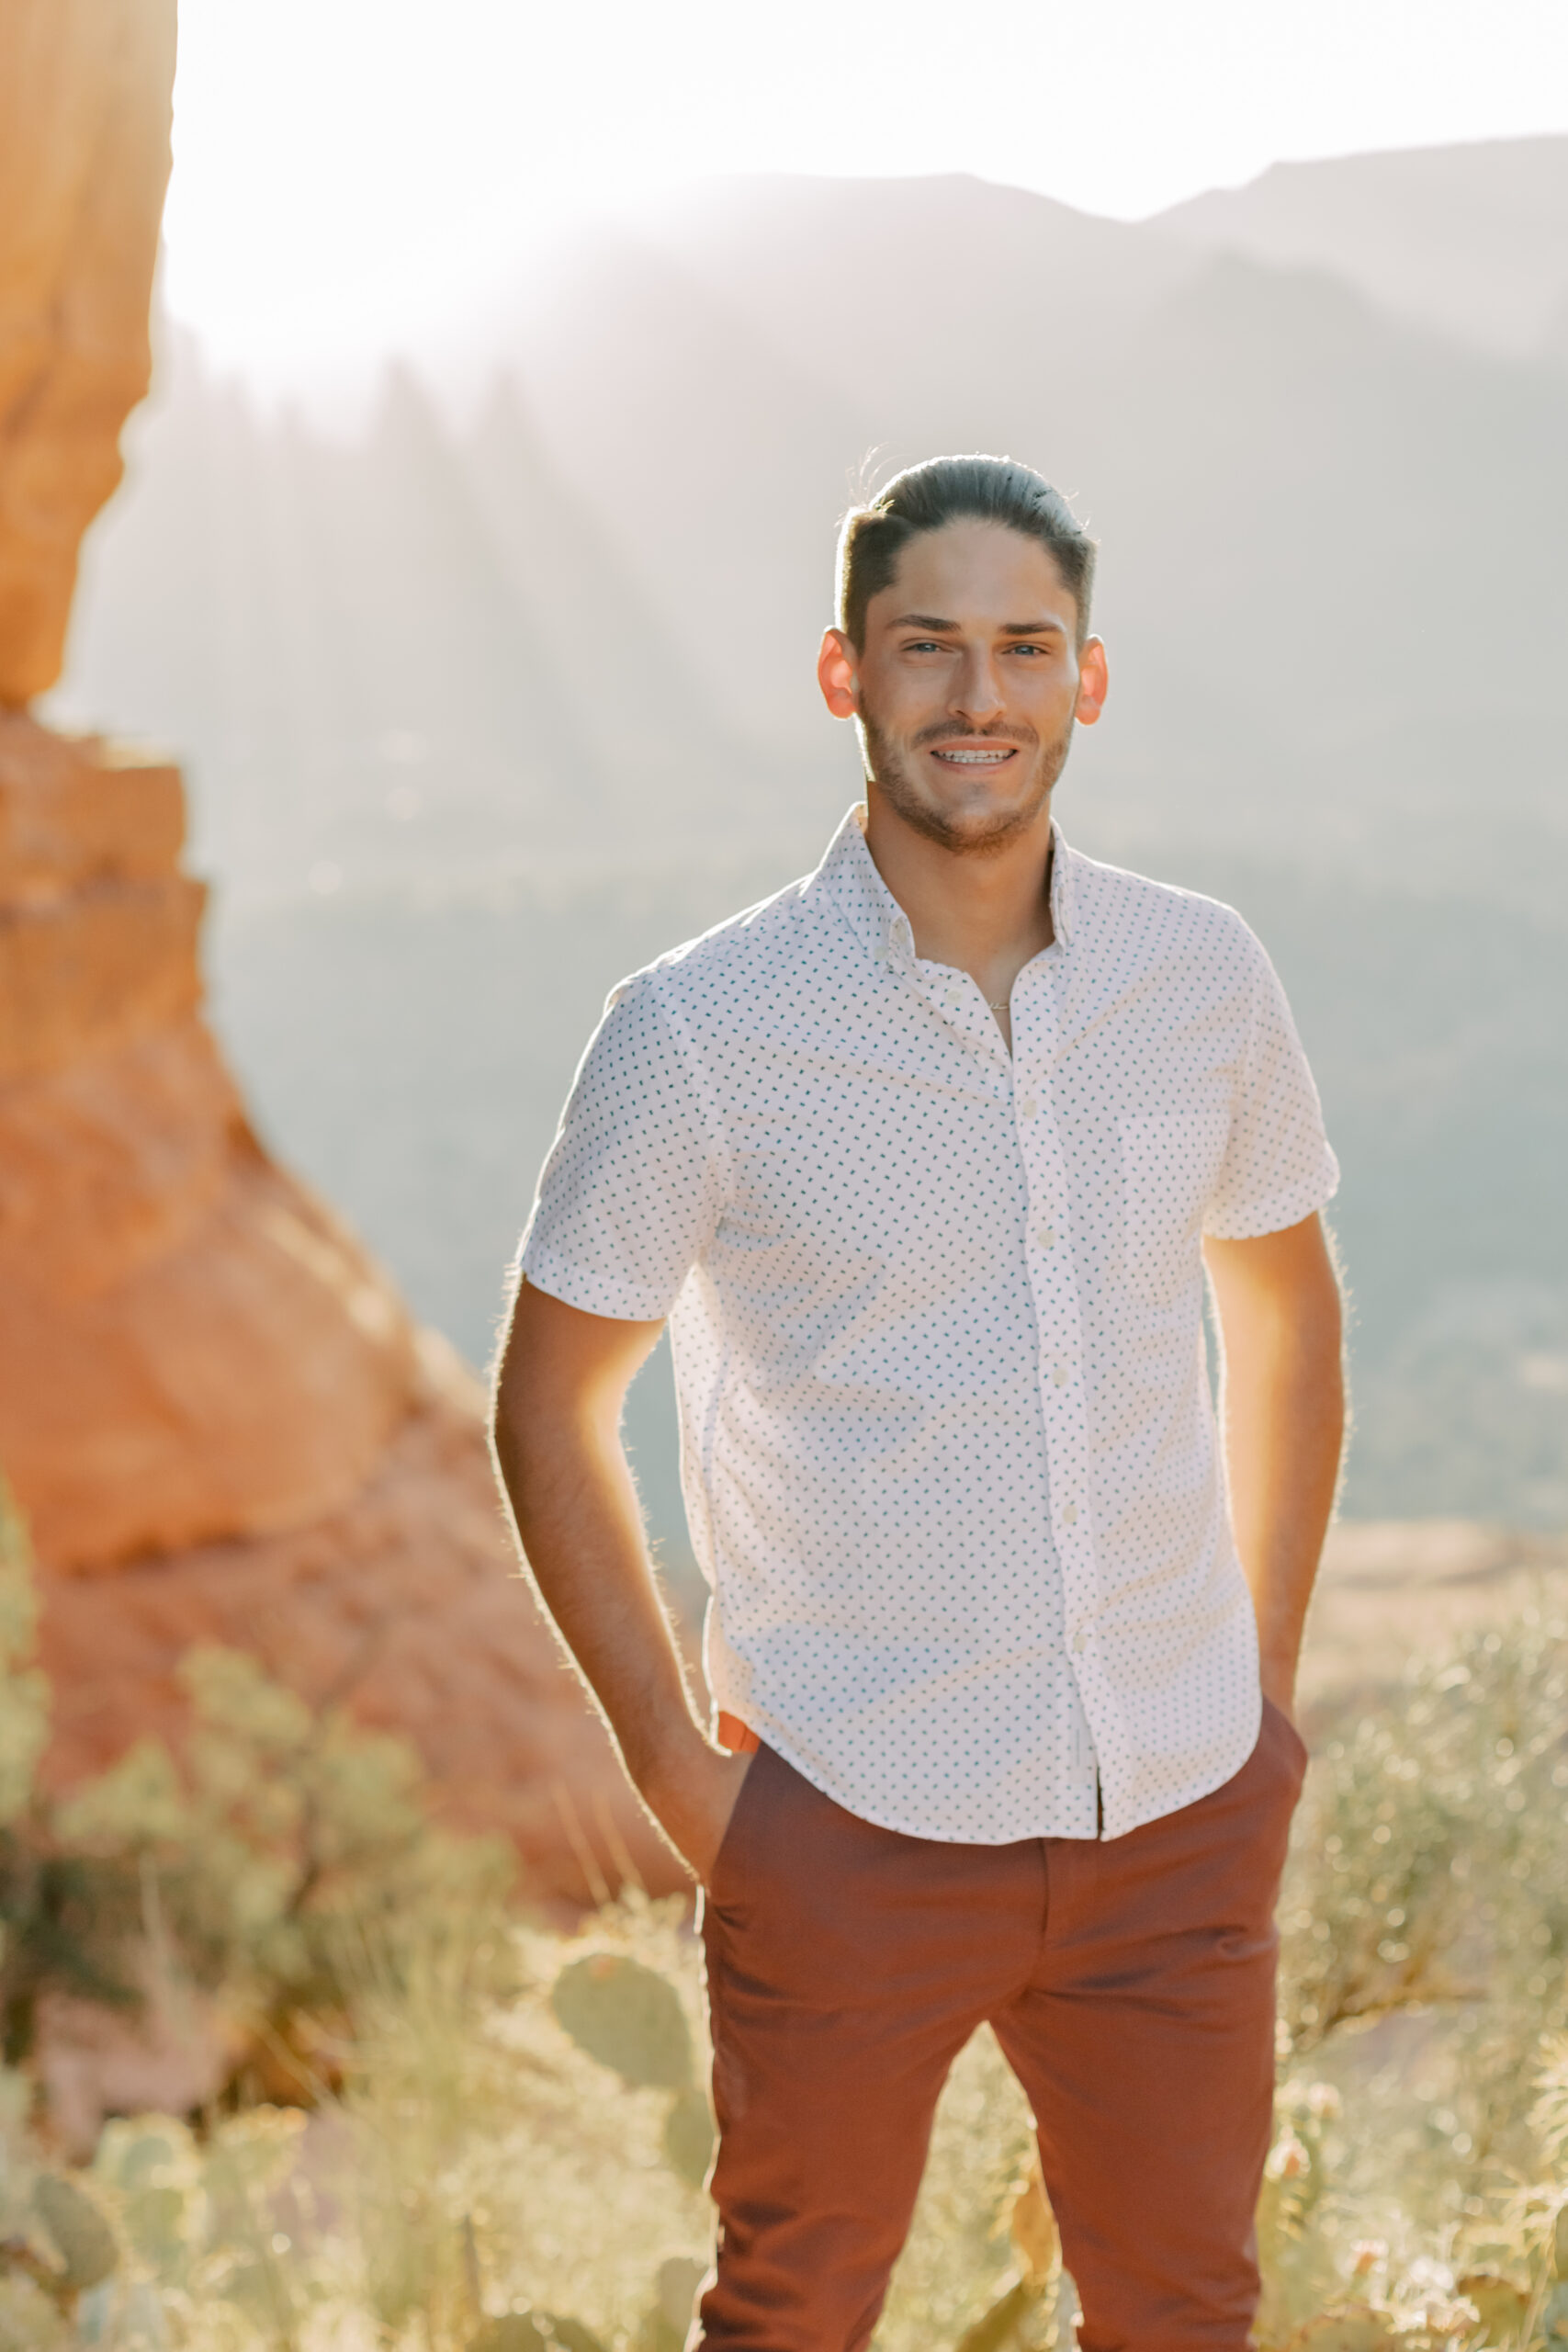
x,y
934,804
968,831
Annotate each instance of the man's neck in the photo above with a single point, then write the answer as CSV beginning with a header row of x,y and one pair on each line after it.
x,y
988,913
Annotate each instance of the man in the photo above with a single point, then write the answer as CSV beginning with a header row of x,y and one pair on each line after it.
x,y
923,1160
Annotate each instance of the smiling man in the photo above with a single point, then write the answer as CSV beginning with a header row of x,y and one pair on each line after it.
x,y
924,1161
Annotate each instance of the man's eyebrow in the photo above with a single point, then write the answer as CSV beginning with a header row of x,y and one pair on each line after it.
x,y
940,628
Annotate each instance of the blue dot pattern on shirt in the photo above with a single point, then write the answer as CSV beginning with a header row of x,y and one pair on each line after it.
x,y
947,1446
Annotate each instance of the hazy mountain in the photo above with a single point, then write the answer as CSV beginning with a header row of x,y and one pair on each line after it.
x,y
348,643
414,1060
1281,478
489,703
1470,240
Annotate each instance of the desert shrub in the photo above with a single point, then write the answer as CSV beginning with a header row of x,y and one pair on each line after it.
x,y
479,2180
1423,1995
1428,1889
290,1852
64,1916
1429,1863
286,1853
511,2128
501,2158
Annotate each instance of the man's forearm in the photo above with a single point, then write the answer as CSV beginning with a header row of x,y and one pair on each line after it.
x,y
1284,1428
557,1429
581,1535
1282,1406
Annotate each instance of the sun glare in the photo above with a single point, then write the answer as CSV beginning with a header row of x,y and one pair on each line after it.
x,y
353,175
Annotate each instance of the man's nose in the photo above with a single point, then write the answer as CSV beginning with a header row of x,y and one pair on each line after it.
x,y
977,696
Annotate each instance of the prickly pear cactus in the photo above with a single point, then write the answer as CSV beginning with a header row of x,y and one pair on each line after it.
x,y
152,2169
83,2239
534,2332
515,2332
628,2016
572,2336
668,2324
689,2136
1502,2306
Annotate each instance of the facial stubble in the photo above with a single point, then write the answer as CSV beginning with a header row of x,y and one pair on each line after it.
x,y
884,766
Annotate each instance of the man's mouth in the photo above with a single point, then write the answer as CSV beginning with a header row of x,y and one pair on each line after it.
x,y
961,756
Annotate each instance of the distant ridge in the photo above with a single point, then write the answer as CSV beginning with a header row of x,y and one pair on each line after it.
x,y
1472,238
498,700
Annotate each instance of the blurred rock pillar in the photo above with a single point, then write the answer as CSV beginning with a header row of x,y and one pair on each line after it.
x,y
85,92
214,1409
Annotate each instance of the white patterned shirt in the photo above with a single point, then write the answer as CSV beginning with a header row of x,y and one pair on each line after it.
x,y
948,1449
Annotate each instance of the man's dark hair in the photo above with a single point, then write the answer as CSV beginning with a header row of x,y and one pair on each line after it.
x,y
924,498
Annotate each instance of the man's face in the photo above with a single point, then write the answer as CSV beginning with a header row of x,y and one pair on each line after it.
x,y
968,685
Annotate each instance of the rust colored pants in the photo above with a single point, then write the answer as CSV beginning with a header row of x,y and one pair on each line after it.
x,y
1130,1981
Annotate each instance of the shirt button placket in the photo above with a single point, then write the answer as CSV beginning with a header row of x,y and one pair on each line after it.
x,y
1059,1332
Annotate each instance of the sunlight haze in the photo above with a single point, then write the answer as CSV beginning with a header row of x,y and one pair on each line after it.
x,y
354,177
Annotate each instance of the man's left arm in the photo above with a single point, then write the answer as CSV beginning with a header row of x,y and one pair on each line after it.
x,y
1282,1415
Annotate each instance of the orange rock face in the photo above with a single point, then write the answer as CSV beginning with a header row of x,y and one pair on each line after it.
x,y
407,1601
85,107
193,1346
213,1407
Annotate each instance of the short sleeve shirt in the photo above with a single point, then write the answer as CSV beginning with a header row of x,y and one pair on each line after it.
x,y
948,1449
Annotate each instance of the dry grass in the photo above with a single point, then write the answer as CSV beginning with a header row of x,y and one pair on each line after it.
x,y
493,2165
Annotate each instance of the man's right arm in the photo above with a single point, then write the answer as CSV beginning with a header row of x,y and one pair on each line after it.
x,y
556,1430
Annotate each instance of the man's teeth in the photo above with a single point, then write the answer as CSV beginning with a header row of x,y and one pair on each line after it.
x,y
976,759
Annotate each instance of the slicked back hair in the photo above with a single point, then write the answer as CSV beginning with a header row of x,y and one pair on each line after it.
x,y
947,490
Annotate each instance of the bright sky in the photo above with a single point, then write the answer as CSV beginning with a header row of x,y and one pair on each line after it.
x,y
357,176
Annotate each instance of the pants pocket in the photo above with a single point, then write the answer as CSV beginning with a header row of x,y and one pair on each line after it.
x,y
1289,1738
728,1862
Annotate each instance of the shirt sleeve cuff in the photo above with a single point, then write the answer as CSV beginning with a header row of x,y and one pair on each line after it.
x,y
1276,1213
593,1293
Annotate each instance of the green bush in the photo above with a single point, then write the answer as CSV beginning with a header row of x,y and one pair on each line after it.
x,y
282,1848
511,2128
64,1915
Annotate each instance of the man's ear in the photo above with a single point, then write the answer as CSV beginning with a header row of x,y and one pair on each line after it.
x,y
1094,682
837,673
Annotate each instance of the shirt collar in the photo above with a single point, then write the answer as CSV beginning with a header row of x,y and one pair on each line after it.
x,y
848,880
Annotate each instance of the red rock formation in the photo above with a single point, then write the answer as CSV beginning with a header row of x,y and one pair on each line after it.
x,y
192,1347
85,93
213,1407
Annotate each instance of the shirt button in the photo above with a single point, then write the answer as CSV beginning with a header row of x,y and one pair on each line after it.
x,y
1078,1641
1028,1106
1047,1236
1059,1375
1069,1514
